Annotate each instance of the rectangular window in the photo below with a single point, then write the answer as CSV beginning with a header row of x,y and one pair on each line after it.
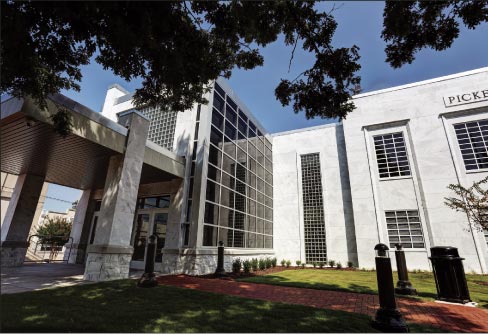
x,y
313,209
404,227
391,155
473,142
154,202
161,126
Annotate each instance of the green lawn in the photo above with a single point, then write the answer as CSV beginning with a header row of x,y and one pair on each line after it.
x,y
365,282
121,307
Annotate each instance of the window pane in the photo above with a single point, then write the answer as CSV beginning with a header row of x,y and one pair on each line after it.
x,y
391,155
209,236
218,103
473,143
211,213
404,227
212,193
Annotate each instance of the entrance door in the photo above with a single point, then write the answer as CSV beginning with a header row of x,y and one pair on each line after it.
x,y
149,222
160,222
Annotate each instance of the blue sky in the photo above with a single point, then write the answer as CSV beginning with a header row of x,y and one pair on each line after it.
x,y
359,23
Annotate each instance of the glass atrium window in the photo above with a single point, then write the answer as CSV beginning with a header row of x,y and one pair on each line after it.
x,y
404,227
237,211
154,202
391,155
473,142
313,209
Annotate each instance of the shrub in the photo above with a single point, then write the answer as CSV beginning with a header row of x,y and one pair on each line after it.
x,y
254,264
288,263
236,265
247,266
315,264
331,263
283,262
349,264
298,263
303,265
274,261
339,265
321,265
268,263
262,264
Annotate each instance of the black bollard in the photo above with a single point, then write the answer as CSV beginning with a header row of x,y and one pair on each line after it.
x,y
388,318
220,271
403,285
148,279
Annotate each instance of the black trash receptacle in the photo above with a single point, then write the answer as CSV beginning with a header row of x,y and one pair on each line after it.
x,y
450,278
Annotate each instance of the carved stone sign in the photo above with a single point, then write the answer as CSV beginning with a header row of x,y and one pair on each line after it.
x,y
465,98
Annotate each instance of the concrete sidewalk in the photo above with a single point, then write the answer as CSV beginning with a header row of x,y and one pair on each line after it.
x,y
37,276
454,318
30,277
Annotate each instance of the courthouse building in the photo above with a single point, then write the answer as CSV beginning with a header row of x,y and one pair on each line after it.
x,y
213,173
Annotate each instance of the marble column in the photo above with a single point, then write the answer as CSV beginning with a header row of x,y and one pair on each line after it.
x,y
108,258
18,219
73,247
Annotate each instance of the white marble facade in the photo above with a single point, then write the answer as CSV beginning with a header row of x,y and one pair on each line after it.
x,y
355,198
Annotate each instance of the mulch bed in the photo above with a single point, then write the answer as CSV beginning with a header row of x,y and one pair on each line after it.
x,y
233,276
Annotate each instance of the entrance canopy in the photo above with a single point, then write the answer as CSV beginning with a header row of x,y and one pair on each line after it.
x,y
29,145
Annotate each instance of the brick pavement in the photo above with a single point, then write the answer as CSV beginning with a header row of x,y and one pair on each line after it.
x,y
449,317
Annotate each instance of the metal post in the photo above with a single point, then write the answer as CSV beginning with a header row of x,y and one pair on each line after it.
x,y
403,285
148,279
388,318
220,271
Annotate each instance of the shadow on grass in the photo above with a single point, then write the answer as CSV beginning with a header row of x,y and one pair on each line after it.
x,y
283,281
121,307
365,283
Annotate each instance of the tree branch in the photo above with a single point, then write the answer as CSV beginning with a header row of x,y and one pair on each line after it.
x,y
292,54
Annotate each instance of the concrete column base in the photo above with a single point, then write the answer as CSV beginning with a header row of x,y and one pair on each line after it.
x,y
105,263
13,253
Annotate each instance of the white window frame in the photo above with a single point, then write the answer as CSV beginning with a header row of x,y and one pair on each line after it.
x,y
409,229
450,121
374,154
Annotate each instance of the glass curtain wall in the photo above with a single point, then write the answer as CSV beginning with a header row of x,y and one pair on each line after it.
x,y
239,190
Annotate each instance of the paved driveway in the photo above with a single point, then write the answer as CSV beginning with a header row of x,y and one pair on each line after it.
x,y
30,277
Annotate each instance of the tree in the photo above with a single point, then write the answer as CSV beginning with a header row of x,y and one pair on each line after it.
x,y
177,48
473,201
54,231
410,26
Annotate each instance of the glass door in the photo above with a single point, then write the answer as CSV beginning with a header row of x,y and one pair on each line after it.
x,y
141,229
148,222
160,222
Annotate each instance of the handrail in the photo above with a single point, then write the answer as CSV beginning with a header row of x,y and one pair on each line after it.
x,y
40,236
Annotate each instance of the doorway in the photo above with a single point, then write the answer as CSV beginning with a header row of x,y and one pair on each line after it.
x,y
148,222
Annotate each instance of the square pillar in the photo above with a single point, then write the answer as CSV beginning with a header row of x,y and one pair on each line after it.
x,y
18,219
73,249
108,258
